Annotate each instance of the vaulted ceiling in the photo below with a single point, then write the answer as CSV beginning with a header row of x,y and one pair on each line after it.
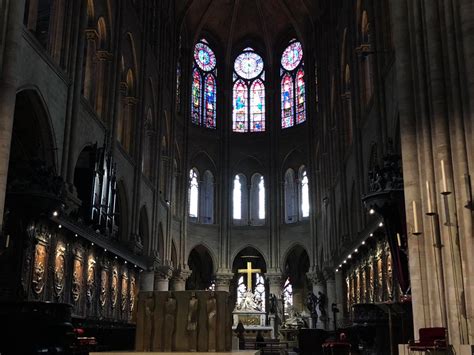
x,y
233,21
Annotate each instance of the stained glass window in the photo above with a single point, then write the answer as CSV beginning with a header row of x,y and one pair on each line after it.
x,y
287,297
293,97
260,290
304,194
204,86
249,93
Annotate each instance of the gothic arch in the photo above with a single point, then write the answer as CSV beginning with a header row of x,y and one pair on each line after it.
x,y
33,128
248,166
296,264
201,262
294,159
203,161
248,249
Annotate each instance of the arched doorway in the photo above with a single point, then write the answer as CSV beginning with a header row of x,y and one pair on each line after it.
x,y
202,267
295,286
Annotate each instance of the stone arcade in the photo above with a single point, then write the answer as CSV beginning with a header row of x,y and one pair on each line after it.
x,y
196,163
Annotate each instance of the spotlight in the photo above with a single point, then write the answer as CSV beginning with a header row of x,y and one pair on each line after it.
x,y
344,262
371,234
355,250
92,244
363,242
75,235
115,256
55,213
371,211
125,261
349,256
105,250
337,270
340,265
60,226
381,224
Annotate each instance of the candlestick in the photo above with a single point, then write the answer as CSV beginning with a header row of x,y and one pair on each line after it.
x,y
416,231
7,243
429,205
398,240
444,191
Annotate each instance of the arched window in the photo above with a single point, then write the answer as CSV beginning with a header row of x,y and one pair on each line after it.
x,y
193,193
293,97
206,214
304,192
203,88
287,297
291,209
260,290
257,200
248,93
240,200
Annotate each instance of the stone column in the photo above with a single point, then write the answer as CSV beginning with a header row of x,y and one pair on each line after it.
x,y
339,288
147,278
163,274
223,279
319,286
274,282
178,282
9,76
331,297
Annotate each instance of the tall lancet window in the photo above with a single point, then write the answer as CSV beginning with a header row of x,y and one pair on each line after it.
x,y
204,86
240,200
304,192
293,97
193,193
291,204
257,200
248,98
287,296
207,199
260,290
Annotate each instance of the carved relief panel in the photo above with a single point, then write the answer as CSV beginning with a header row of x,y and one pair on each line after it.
x,y
114,286
104,286
124,289
40,265
133,291
77,275
389,275
90,282
59,270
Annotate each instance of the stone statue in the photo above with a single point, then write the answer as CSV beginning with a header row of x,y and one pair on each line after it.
x,y
211,307
321,305
249,303
311,304
149,323
192,322
170,317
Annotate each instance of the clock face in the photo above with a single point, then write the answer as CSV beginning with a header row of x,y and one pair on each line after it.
x,y
248,65
292,56
204,57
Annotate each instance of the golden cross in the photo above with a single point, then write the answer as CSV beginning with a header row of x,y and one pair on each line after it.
x,y
249,271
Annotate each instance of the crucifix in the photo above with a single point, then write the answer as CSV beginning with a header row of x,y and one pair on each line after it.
x,y
249,271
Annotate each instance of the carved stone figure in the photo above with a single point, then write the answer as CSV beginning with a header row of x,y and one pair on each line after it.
x,y
59,272
124,292
132,292
249,303
192,322
103,288
90,279
211,306
170,318
38,280
114,287
76,280
311,304
321,305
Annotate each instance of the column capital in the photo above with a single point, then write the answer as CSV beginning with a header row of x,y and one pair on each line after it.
x,y
163,272
181,274
328,274
315,277
274,276
223,278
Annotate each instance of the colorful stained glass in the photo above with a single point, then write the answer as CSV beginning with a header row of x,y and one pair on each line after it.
x,y
292,56
204,57
257,107
196,97
300,97
210,102
287,101
203,90
248,65
240,103
293,100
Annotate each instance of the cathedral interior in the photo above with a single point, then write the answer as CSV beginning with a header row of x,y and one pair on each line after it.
x,y
295,150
